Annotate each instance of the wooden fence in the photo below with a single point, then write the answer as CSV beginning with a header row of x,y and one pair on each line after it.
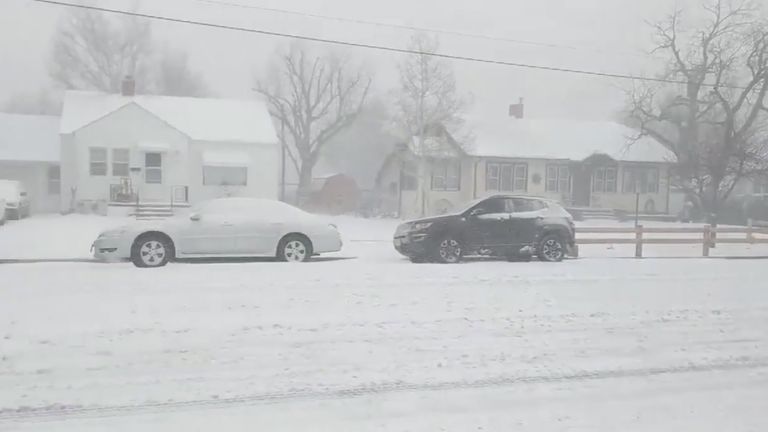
x,y
707,236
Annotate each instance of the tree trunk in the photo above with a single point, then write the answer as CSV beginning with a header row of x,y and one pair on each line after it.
x,y
305,185
423,185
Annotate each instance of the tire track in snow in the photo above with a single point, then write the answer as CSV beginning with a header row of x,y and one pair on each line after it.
x,y
61,412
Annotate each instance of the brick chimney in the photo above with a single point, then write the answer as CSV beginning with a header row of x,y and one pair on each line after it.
x,y
129,86
517,110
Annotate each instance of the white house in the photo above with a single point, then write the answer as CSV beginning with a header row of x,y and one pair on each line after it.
x,y
585,164
127,148
29,153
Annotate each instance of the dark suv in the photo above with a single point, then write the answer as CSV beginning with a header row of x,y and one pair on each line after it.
x,y
499,226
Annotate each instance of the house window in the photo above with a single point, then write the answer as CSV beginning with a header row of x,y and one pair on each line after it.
x,y
120,160
153,168
558,179
225,176
54,180
604,180
506,177
760,186
97,161
446,175
640,179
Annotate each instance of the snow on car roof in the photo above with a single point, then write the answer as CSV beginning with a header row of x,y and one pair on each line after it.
x,y
200,119
574,140
29,138
264,207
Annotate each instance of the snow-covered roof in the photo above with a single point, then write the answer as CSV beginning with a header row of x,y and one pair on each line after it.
x,y
435,147
29,138
562,139
200,119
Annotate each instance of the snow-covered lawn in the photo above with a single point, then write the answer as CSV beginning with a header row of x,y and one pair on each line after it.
x,y
376,343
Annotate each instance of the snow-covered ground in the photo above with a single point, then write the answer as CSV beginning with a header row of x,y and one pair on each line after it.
x,y
375,343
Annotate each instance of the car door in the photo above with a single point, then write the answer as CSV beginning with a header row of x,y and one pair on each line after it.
x,y
525,221
258,234
208,234
490,227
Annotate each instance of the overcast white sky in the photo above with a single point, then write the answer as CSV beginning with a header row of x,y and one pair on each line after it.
x,y
609,36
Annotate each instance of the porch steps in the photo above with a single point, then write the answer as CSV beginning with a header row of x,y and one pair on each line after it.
x,y
152,211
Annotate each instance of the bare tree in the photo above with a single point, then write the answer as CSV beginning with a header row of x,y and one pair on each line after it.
x,y
427,99
313,98
174,77
94,52
715,122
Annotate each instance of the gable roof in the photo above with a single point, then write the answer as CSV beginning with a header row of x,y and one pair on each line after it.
x,y
223,120
562,139
29,138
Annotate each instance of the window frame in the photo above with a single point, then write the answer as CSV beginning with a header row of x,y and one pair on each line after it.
x,y
603,182
153,168
561,180
101,163
115,163
517,173
243,184
650,176
442,172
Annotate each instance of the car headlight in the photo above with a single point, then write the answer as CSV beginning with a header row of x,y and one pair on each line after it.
x,y
10,204
421,226
112,234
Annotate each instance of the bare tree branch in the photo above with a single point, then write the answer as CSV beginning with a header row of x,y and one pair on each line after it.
x,y
314,98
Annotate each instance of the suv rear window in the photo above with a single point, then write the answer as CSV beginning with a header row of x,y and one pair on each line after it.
x,y
523,205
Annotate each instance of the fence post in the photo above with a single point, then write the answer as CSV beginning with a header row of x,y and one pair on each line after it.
x,y
639,241
707,240
750,235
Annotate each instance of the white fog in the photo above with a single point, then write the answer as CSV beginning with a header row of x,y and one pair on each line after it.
x,y
346,215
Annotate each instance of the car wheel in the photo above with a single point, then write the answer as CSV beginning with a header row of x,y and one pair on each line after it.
x,y
448,251
295,248
552,248
151,251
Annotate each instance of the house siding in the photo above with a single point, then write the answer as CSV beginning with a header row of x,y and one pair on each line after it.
x,y
124,129
263,171
627,201
473,185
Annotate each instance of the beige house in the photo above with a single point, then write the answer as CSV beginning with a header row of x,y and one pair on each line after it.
x,y
598,165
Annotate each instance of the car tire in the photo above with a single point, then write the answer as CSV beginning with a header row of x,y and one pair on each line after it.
x,y
294,248
151,251
552,248
448,250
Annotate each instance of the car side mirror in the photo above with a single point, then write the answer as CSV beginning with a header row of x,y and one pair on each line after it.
x,y
476,212
194,217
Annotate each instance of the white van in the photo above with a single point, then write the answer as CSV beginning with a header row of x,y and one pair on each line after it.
x,y
16,199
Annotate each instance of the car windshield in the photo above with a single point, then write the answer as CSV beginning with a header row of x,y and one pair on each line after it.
x,y
384,216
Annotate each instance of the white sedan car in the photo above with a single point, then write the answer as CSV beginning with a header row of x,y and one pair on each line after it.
x,y
227,227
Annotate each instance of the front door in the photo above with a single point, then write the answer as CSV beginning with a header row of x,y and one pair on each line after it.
x,y
582,185
152,185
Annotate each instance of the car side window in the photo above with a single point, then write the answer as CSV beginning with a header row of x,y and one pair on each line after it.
x,y
493,205
523,205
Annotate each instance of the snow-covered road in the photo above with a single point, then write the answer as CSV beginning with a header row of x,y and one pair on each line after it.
x,y
377,343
